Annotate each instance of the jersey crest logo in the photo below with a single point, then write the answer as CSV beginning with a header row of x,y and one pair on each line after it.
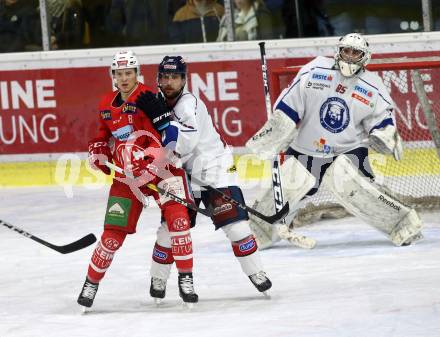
x,y
334,115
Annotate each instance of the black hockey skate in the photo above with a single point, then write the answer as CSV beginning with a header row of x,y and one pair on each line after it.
x,y
88,293
260,281
186,288
157,288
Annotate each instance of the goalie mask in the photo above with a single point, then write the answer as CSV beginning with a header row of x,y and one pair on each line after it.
x,y
353,54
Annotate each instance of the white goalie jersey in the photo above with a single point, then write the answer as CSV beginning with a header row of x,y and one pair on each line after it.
x,y
334,114
202,151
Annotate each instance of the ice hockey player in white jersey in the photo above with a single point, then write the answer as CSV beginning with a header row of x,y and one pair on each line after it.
x,y
325,121
189,131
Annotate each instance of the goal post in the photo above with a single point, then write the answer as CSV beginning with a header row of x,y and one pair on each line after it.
x,y
415,180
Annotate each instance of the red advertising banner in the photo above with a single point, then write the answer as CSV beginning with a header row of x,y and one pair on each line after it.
x,y
55,110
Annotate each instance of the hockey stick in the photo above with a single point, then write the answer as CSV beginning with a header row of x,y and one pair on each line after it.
x,y
282,229
66,249
160,190
276,177
278,216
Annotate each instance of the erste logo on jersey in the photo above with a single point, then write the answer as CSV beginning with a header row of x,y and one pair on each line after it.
x,y
364,93
322,77
334,115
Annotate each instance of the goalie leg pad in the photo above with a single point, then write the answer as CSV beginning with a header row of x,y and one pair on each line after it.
x,y
296,182
366,201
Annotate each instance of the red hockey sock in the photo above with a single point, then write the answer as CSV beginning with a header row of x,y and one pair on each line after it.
x,y
178,224
111,241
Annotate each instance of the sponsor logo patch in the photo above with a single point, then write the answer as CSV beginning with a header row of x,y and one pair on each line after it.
x,y
129,108
122,63
317,85
118,210
334,115
222,208
363,91
360,98
322,77
389,202
106,114
159,254
247,246
321,146
123,133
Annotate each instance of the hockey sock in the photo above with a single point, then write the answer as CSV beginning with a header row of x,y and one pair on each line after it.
x,y
244,246
178,223
162,262
111,241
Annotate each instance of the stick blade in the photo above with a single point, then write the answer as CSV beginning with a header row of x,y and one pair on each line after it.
x,y
77,245
278,216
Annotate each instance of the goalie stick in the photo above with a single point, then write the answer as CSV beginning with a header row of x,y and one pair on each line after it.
x,y
282,230
160,190
276,177
278,216
66,249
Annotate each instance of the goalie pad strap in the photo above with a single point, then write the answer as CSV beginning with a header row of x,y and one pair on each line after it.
x,y
366,201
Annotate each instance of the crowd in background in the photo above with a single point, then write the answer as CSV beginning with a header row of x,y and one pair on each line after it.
x,y
104,23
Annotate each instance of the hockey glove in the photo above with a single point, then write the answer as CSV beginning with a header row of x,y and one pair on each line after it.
x,y
99,153
155,108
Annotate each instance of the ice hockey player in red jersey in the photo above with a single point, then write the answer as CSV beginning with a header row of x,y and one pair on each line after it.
x,y
127,138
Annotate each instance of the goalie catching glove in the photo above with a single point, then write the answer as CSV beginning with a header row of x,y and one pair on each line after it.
x,y
155,108
387,141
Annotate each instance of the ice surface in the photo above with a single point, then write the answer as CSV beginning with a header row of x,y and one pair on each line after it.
x,y
354,283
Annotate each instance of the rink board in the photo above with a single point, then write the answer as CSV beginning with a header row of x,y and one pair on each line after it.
x,y
249,167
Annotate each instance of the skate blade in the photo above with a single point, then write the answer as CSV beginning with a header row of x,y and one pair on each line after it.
x,y
188,305
266,294
85,310
158,301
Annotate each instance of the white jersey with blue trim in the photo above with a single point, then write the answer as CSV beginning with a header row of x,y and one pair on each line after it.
x,y
334,113
202,151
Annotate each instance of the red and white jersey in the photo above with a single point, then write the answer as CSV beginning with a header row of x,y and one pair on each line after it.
x,y
127,125
334,113
203,152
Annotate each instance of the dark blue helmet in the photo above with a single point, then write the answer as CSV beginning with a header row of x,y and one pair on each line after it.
x,y
173,65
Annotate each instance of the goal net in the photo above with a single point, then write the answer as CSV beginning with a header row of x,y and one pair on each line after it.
x,y
415,180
